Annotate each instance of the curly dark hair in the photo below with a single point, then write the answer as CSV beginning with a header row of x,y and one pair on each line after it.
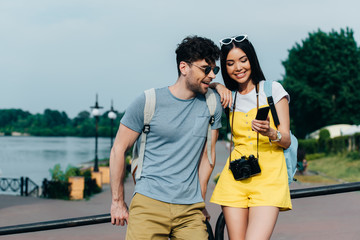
x,y
194,48
256,72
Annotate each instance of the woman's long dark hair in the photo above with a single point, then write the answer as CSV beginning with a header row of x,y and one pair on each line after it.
x,y
256,72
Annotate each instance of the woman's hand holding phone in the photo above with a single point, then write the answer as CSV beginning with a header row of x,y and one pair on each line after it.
x,y
261,123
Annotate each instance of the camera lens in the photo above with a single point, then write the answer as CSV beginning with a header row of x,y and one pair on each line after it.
x,y
245,172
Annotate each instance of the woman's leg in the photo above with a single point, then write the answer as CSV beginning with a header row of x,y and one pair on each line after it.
x,y
261,223
236,222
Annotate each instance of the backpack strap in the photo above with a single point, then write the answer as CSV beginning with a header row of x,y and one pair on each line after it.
x,y
138,157
291,152
268,93
211,103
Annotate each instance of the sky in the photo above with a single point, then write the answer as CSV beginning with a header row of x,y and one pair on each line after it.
x,y
60,54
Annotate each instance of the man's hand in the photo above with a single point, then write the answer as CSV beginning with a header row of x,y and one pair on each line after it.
x,y
206,214
119,213
125,138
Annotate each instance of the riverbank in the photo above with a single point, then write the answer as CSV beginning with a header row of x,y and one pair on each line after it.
x,y
14,134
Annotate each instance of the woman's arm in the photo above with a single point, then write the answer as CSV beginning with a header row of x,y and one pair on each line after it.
x,y
225,94
263,127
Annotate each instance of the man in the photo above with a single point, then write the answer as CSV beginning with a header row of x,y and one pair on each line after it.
x,y
169,196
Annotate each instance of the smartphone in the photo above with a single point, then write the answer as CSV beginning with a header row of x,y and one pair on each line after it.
x,y
262,113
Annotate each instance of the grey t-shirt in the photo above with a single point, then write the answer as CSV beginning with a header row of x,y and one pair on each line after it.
x,y
174,144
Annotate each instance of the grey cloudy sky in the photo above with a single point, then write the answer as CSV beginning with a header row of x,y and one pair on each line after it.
x,y
59,54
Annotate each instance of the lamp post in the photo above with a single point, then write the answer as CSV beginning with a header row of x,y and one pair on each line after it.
x,y
112,116
96,113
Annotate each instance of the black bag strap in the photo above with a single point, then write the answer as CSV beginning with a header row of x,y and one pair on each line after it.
x,y
257,108
270,100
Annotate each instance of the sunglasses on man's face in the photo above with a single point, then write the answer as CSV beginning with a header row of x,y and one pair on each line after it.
x,y
207,69
227,41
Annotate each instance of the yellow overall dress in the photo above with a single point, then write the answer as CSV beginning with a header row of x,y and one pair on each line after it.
x,y
270,187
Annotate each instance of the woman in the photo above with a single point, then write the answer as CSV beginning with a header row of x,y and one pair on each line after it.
x,y
251,206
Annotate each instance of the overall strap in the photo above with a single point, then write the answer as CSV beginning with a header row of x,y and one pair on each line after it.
x,y
232,126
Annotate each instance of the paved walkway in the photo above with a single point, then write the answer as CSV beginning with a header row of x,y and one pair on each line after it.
x,y
330,217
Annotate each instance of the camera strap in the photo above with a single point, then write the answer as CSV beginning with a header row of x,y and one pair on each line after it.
x,y
232,123
257,109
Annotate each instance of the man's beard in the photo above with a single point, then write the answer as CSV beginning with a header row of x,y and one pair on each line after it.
x,y
196,88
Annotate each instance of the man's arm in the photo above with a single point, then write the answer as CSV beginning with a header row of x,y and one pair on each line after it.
x,y
205,169
125,138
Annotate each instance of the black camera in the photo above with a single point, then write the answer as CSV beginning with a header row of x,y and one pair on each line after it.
x,y
245,167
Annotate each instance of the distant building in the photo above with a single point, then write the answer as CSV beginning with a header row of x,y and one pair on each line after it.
x,y
352,130
335,130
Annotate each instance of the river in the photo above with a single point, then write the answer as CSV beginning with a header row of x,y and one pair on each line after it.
x,y
33,156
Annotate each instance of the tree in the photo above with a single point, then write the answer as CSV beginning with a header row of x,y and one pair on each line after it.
x,y
324,136
322,76
10,116
81,117
54,118
54,123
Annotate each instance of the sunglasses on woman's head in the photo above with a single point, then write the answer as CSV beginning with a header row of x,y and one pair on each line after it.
x,y
227,41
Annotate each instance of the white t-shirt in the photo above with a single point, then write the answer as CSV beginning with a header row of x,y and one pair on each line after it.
x,y
244,103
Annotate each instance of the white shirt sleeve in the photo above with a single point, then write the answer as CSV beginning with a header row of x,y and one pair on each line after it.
x,y
278,92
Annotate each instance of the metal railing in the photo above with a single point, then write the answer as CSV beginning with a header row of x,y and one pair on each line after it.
x,y
12,184
24,185
66,223
31,188
220,224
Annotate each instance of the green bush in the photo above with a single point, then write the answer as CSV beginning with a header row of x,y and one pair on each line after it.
x,y
353,156
337,144
90,184
72,171
324,134
7,133
90,187
324,144
324,137
313,156
357,140
58,187
308,145
57,174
